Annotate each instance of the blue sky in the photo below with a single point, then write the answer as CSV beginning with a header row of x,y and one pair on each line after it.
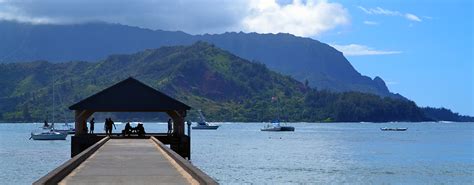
x,y
422,49
433,60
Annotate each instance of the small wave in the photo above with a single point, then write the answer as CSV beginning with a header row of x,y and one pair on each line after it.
x,y
445,121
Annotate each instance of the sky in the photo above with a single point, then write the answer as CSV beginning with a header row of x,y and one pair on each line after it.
x,y
422,49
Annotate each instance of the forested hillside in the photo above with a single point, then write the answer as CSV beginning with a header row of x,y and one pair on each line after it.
x,y
225,86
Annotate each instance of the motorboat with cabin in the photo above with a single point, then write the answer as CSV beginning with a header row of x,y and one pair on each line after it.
x,y
202,124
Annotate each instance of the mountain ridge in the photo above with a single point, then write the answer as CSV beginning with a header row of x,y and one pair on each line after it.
x,y
302,58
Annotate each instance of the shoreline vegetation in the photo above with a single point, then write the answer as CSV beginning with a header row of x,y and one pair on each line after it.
x,y
216,81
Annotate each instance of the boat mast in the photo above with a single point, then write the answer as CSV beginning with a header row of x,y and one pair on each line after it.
x,y
203,120
53,103
278,108
62,111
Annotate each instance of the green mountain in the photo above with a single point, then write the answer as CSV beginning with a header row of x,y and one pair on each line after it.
x,y
304,59
226,87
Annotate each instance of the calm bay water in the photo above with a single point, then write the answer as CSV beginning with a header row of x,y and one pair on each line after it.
x,y
316,153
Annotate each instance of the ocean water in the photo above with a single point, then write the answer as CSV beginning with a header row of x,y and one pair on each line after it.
x,y
316,153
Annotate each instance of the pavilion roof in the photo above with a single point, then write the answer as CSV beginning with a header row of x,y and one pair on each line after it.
x,y
130,95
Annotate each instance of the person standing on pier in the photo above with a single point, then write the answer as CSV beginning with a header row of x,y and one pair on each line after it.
x,y
170,127
91,125
108,126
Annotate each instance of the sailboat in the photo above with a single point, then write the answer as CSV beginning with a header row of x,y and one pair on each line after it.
x,y
203,125
48,132
275,125
66,128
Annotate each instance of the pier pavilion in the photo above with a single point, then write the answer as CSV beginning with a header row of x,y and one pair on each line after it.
x,y
131,95
101,159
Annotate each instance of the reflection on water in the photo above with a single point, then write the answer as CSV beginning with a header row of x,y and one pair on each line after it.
x,y
322,153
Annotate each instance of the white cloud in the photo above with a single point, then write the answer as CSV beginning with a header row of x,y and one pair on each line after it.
x,y
427,17
371,23
299,18
381,11
308,18
360,50
412,17
12,13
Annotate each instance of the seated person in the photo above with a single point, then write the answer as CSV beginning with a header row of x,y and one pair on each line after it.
x,y
127,130
141,129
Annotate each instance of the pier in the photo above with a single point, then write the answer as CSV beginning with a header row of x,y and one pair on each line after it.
x,y
117,159
127,161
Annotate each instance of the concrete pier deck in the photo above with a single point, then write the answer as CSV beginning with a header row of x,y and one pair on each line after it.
x,y
129,161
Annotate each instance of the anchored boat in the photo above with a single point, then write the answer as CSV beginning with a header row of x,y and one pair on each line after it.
x,y
275,126
203,125
47,131
393,129
48,135
66,128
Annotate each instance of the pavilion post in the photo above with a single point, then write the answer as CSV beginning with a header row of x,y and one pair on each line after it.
x,y
80,121
178,122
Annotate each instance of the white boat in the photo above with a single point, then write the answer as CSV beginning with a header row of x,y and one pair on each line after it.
x,y
276,127
203,125
47,131
48,135
66,128
393,129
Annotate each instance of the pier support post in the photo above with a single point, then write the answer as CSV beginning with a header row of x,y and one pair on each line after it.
x,y
182,146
